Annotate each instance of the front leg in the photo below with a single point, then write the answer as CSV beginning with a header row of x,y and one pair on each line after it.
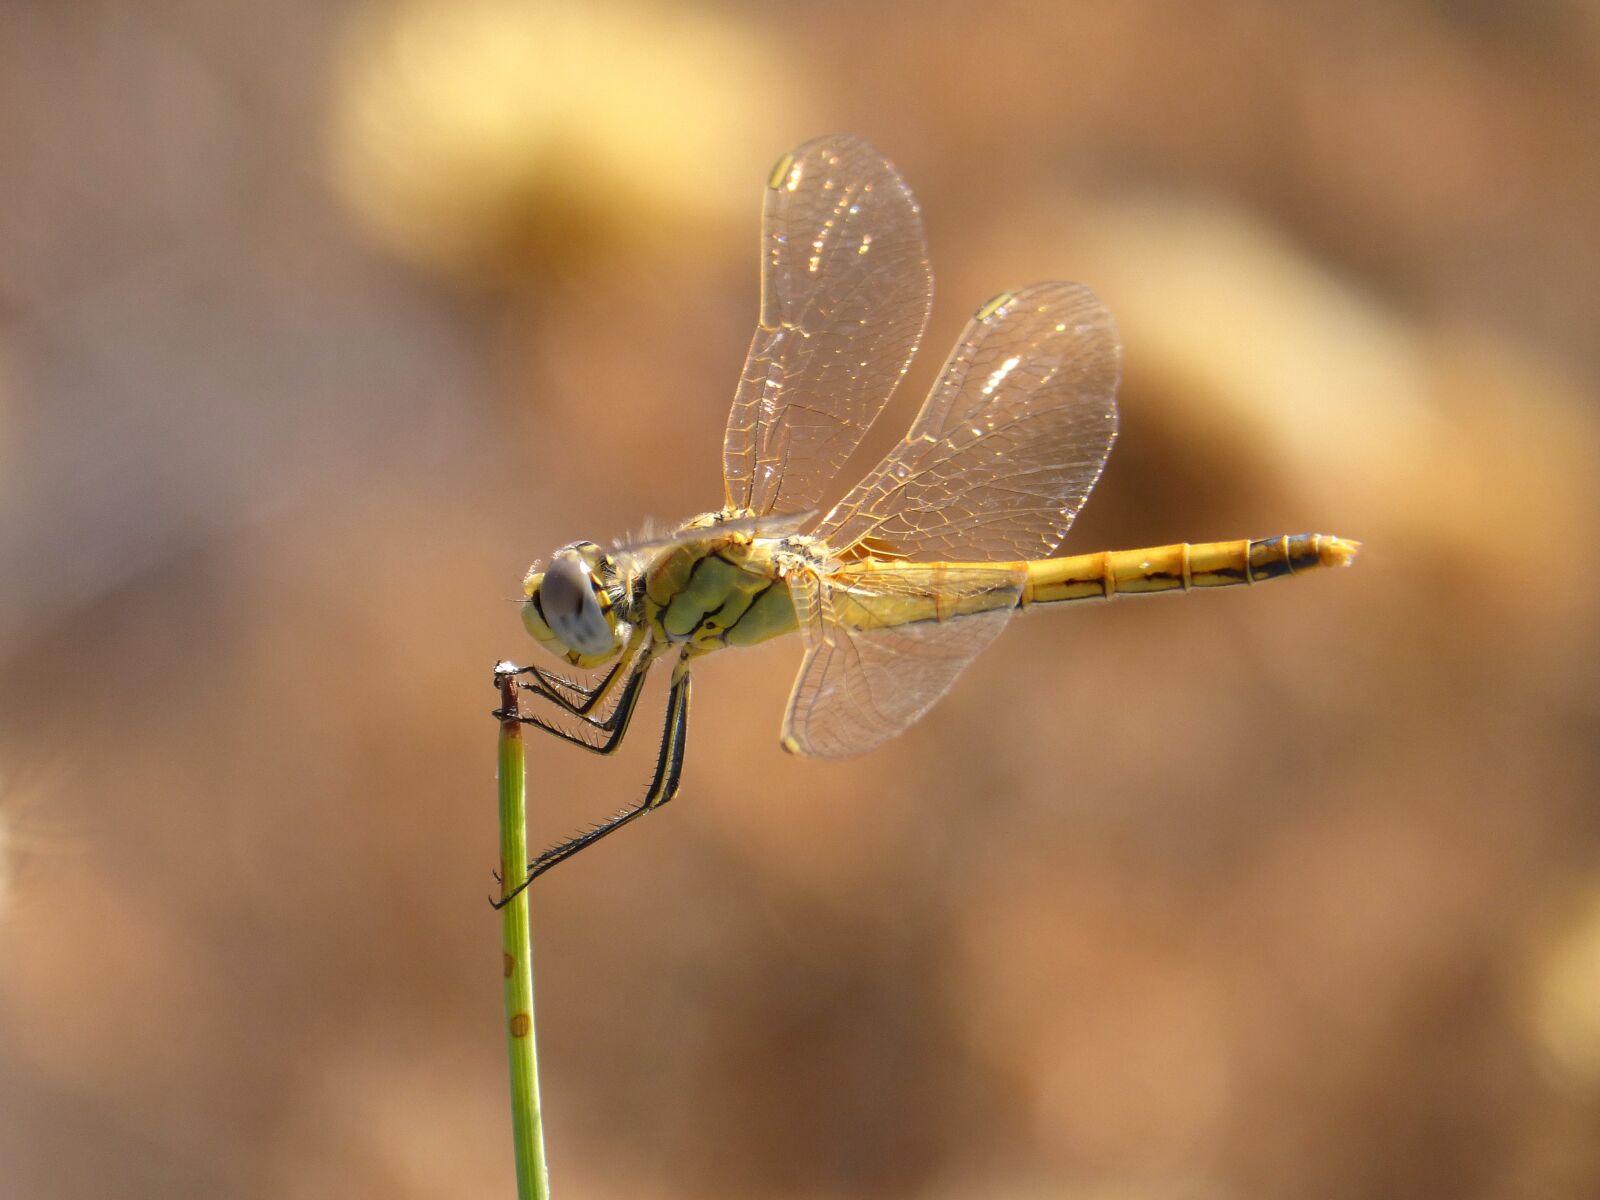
x,y
663,786
612,728
552,687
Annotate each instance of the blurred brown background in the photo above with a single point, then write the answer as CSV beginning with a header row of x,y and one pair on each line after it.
x,y
318,322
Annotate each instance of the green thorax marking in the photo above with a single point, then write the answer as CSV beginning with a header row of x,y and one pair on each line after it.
x,y
723,591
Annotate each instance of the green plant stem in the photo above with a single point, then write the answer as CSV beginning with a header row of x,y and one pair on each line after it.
x,y
533,1175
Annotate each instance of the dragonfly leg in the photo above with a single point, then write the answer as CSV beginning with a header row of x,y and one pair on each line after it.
x,y
553,687
614,727
663,786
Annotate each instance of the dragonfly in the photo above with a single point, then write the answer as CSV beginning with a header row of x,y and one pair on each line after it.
x,y
898,586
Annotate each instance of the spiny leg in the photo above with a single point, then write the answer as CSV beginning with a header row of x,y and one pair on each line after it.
x,y
663,786
549,685
553,687
613,727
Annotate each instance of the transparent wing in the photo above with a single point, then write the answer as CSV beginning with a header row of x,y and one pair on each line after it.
x,y
883,644
710,525
1011,439
845,293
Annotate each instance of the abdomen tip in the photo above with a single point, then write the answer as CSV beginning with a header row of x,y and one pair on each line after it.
x,y
1337,551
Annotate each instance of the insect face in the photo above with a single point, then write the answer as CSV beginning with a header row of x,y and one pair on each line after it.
x,y
569,608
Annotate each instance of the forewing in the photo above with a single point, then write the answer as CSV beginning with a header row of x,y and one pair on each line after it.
x,y
869,671
768,526
845,293
1011,439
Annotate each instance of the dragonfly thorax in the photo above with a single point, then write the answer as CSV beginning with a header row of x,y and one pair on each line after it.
x,y
571,607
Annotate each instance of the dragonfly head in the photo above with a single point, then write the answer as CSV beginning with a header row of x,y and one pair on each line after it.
x,y
571,606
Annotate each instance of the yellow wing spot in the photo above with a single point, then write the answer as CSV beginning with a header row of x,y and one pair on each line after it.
x,y
775,180
993,306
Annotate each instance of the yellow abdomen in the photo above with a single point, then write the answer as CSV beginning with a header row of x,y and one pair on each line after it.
x,y
1181,567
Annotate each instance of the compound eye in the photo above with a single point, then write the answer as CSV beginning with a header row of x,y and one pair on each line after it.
x,y
571,609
